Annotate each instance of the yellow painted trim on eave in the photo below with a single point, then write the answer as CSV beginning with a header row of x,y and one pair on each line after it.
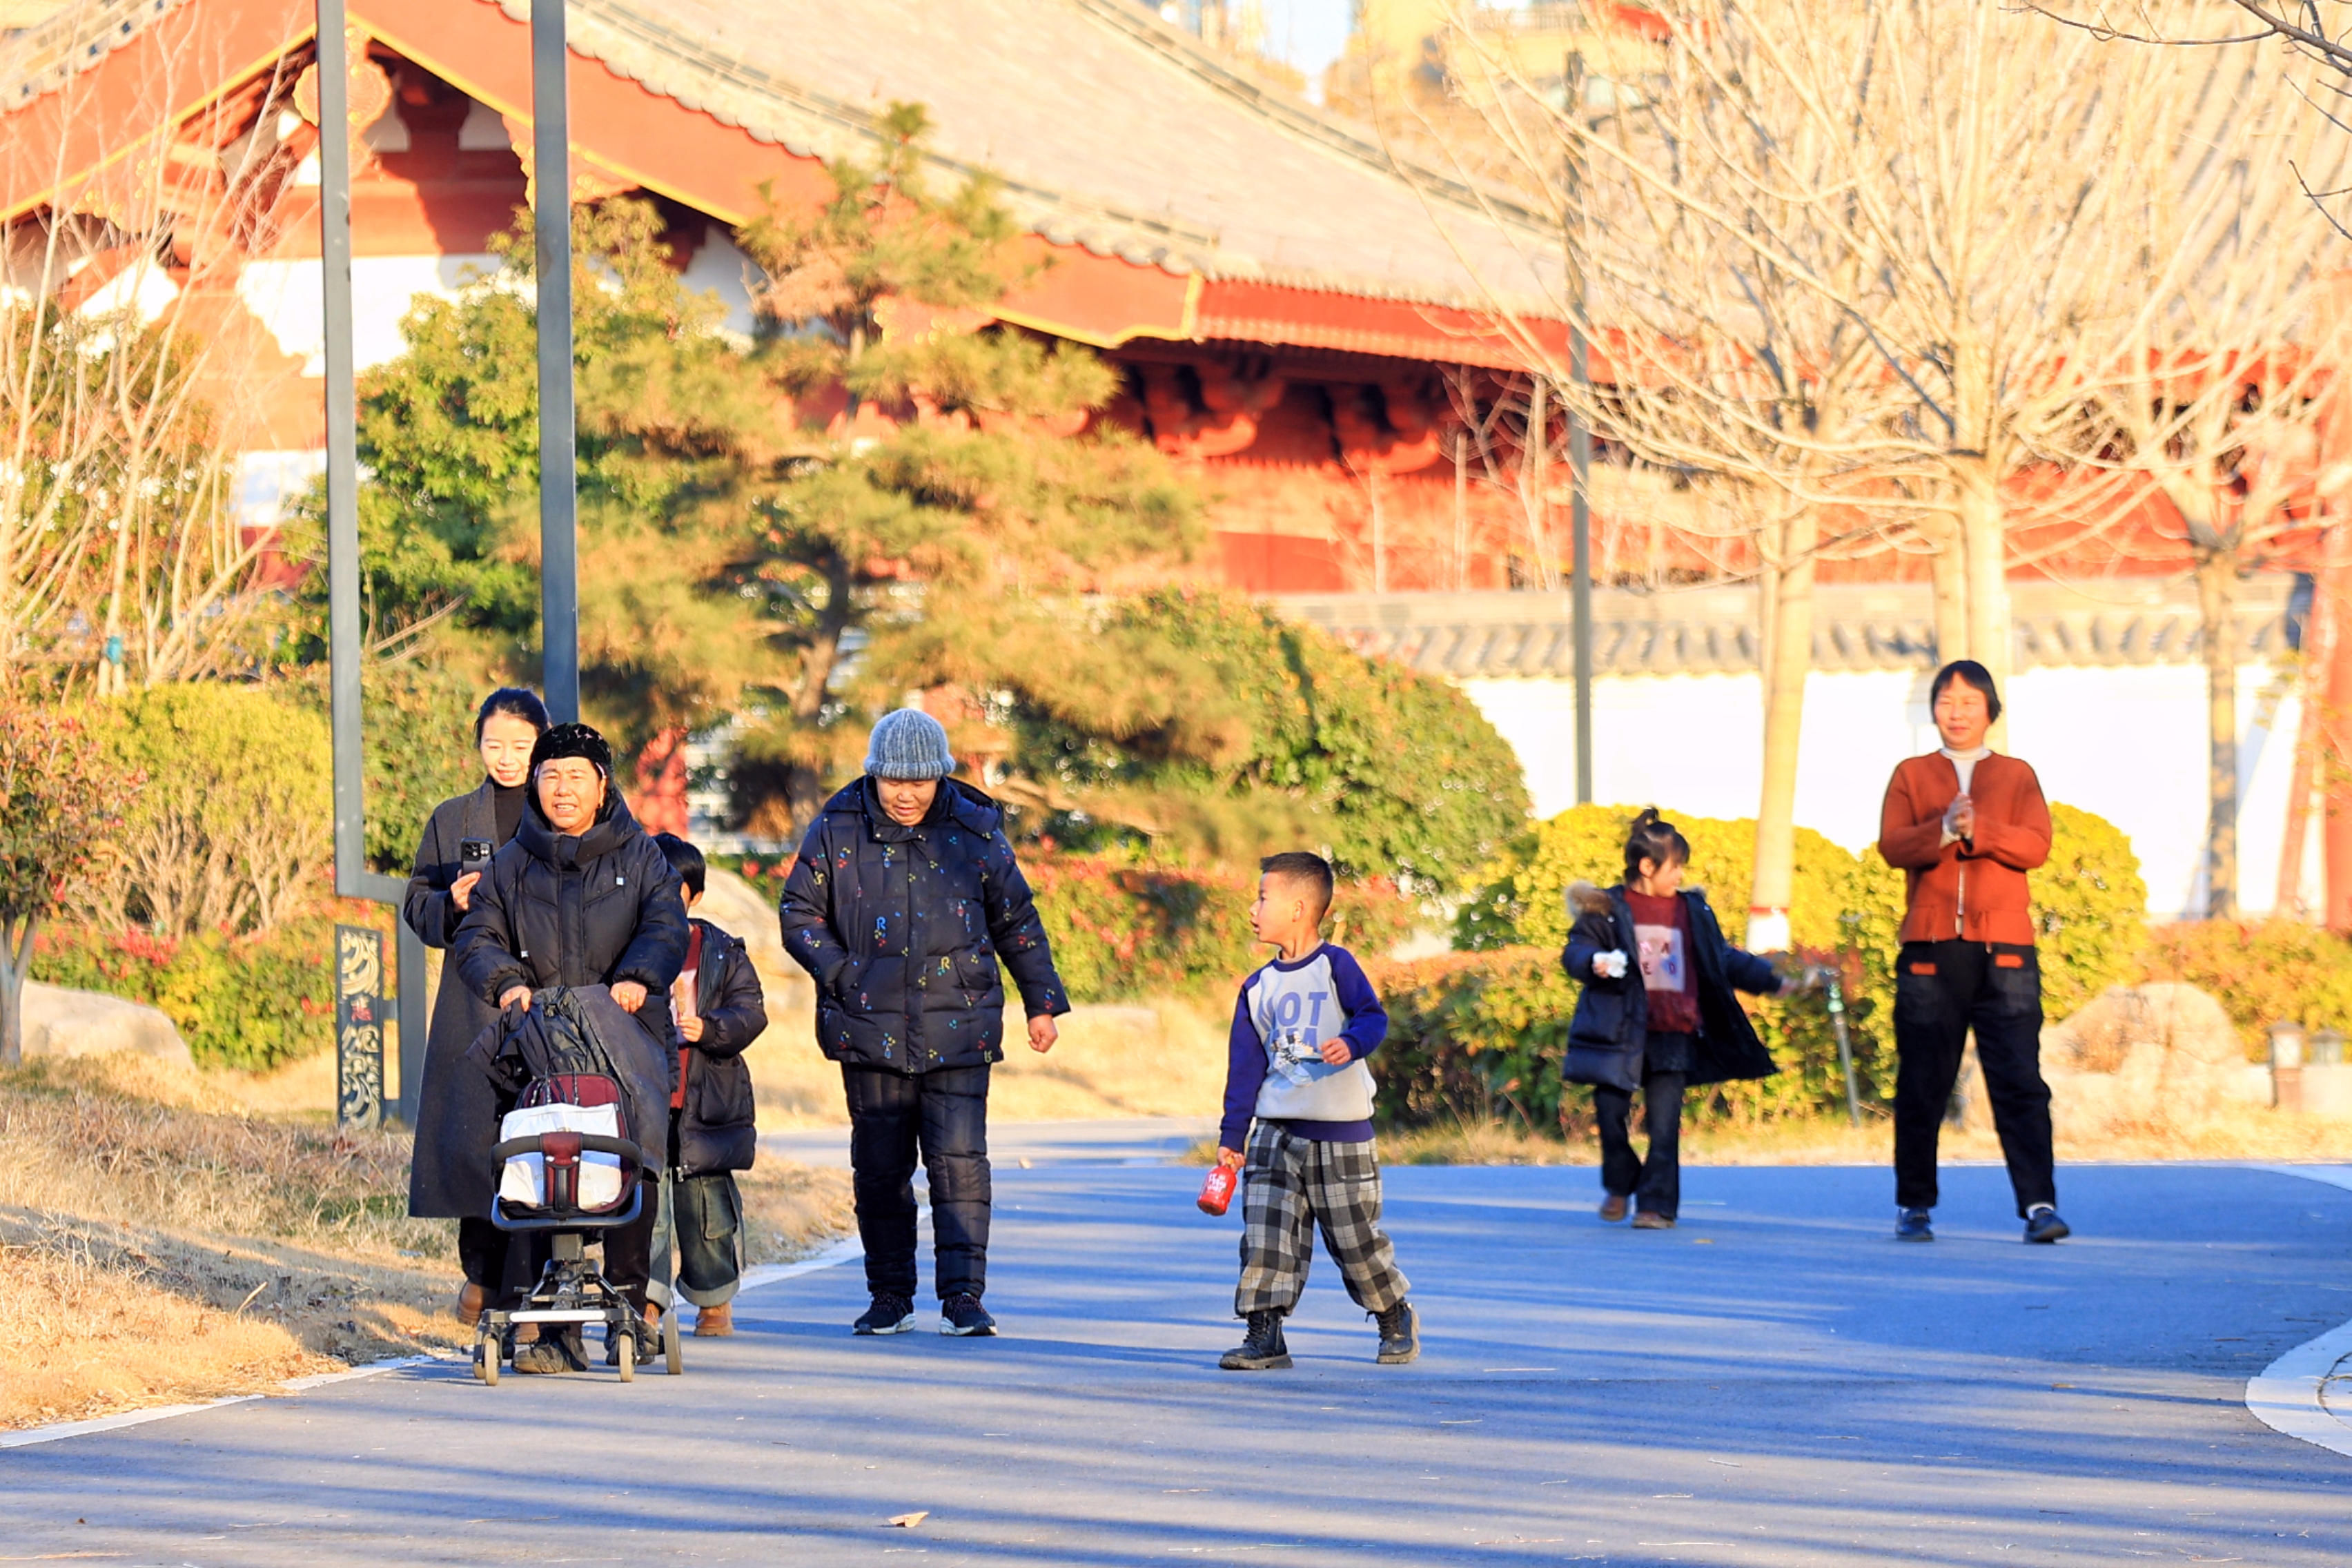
x,y
1079,335
172,122
473,89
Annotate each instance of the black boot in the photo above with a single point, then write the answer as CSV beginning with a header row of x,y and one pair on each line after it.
x,y
1261,1349
1400,1334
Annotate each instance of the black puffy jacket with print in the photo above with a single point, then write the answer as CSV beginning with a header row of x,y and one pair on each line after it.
x,y
901,927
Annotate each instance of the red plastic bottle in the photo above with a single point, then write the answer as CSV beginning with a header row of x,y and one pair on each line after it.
x,y
1217,1192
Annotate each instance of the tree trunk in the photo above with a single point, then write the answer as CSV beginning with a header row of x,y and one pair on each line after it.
x,y
1985,548
1950,573
1788,659
15,958
2303,776
2217,606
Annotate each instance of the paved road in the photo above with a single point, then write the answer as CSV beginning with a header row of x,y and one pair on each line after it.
x,y
1775,1383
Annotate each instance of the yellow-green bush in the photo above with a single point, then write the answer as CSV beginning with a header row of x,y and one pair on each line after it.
x,y
2090,911
1845,912
232,831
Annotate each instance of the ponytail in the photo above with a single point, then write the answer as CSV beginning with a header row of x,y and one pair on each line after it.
x,y
1654,840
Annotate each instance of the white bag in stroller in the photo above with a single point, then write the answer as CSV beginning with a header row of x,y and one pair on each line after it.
x,y
524,1181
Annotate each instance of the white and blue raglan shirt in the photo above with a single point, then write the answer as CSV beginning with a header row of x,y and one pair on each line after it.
x,y
1276,1071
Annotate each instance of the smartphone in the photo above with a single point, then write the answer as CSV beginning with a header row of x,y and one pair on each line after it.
x,y
474,854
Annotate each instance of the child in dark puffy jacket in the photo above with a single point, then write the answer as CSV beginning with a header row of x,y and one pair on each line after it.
x,y
1656,1014
720,1008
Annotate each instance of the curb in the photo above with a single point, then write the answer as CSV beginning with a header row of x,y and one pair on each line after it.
x,y
2290,1395
765,1274
57,1431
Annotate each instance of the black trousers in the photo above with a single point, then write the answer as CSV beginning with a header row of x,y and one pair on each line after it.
x,y
1654,1181
1942,990
942,1116
506,1264
629,1249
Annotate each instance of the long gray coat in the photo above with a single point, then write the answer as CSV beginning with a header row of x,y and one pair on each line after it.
x,y
443,1183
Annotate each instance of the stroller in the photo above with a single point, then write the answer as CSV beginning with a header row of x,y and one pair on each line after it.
x,y
568,1167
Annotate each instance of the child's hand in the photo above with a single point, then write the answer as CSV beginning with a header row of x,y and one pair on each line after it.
x,y
1609,965
1232,1157
1337,1053
1043,1033
690,1027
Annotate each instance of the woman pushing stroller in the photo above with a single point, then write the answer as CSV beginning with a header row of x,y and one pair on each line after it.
x,y
581,897
1657,1014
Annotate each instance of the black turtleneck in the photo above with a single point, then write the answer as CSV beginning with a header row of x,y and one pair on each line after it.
x,y
507,800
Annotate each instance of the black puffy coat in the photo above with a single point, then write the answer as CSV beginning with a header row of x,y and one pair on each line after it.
x,y
1606,1037
718,1130
592,910
902,928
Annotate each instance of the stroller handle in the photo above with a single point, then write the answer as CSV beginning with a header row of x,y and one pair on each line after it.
x,y
587,1142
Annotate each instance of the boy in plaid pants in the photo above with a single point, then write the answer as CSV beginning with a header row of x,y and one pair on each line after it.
x,y
1302,1028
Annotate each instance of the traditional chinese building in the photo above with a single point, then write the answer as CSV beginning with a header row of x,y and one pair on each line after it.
x,y
1299,318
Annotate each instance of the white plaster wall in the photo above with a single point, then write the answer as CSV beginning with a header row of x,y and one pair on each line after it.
x,y
288,297
721,268
2128,743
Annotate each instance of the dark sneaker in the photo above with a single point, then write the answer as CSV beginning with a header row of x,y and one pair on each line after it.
x,y
1911,1224
541,1355
1261,1349
1645,1220
2045,1225
964,1317
1400,1334
889,1315
1613,1207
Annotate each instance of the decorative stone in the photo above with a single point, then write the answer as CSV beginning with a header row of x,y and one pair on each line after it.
x,y
63,1023
2162,1054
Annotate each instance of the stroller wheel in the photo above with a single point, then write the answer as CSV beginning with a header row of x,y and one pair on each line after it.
x,y
626,1347
486,1360
673,1357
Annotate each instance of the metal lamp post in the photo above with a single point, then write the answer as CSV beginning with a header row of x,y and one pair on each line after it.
x,y
559,594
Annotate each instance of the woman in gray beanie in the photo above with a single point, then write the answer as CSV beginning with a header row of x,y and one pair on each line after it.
x,y
905,897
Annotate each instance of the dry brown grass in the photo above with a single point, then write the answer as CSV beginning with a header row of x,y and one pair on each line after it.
x,y
792,1210
173,1245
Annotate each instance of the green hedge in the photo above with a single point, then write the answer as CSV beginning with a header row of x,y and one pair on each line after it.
x,y
2263,972
1481,1031
253,1003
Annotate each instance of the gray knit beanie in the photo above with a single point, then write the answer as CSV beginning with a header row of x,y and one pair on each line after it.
x,y
909,744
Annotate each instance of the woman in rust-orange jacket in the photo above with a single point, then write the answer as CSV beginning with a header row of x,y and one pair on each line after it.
x,y
1965,825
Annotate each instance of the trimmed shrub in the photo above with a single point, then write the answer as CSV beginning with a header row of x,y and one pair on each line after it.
x,y
1476,1037
2090,911
1846,910
1524,898
2261,972
232,831
253,1002
1294,739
